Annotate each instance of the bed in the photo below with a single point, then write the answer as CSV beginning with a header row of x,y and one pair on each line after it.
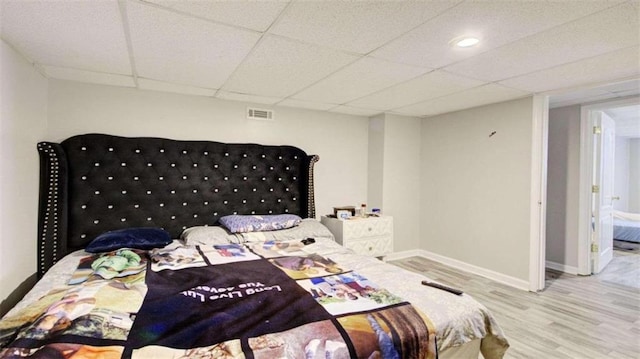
x,y
152,247
626,226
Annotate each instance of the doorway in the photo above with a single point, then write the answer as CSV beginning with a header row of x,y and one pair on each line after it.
x,y
597,192
569,225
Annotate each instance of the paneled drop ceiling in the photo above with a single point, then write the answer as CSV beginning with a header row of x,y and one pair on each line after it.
x,y
354,57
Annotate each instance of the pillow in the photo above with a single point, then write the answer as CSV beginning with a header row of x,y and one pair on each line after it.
x,y
308,228
206,235
242,224
138,238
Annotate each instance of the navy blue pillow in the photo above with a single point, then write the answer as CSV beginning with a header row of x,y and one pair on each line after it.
x,y
137,238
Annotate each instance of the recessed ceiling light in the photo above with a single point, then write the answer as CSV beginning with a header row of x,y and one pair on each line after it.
x,y
464,41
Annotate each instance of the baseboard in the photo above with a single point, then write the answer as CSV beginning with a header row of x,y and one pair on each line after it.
x,y
562,267
487,273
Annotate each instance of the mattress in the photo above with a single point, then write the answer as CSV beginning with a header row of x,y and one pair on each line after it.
x,y
460,321
626,230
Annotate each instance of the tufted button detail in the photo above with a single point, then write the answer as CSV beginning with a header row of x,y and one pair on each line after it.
x,y
161,204
136,178
254,167
96,221
123,219
195,165
184,152
84,206
136,206
206,153
123,164
110,206
195,191
235,166
137,151
97,164
173,217
84,178
83,148
97,192
206,178
244,155
110,149
173,191
215,166
124,192
160,178
244,201
110,178
226,154
184,177
149,164
195,216
83,236
184,203
173,165
206,203
148,218
225,202
215,190
148,192
235,190
162,150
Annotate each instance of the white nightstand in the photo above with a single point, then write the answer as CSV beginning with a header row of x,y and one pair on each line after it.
x,y
371,236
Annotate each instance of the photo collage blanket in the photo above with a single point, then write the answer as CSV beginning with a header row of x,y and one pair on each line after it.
x,y
256,300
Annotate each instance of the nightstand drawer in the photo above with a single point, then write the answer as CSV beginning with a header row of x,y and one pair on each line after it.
x,y
369,227
376,246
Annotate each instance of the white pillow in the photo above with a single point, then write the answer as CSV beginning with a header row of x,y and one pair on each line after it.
x,y
207,235
308,228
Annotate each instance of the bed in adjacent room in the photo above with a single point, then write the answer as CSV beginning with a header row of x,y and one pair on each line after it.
x,y
626,226
147,248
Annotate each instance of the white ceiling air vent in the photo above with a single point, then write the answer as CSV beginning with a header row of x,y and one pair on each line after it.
x,y
259,114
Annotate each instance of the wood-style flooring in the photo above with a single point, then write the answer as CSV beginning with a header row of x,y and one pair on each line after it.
x,y
577,317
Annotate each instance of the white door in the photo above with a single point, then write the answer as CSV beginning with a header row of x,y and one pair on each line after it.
x,y
602,238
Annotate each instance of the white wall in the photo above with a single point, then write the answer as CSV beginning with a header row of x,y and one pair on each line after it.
x,y
563,183
341,141
23,121
476,187
394,175
634,175
621,174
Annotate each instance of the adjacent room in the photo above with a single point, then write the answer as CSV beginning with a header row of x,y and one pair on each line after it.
x,y
322,179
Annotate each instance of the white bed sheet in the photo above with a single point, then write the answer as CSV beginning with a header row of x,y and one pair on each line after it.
x,y
458,319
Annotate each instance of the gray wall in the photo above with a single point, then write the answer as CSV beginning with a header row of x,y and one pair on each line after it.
x,y
563,183
476,188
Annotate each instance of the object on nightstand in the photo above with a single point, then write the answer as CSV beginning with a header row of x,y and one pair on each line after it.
x,y
363,210
351,209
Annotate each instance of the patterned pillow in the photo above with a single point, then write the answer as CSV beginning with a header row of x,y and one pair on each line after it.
x,y
138,238
242,224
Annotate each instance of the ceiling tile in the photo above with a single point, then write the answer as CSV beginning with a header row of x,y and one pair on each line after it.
x,y
354,111
101,78
431,85
179,49
255,15
234,96
478,96
619,64
356,26
609,30
279,67
494,22
154,85
359,79
290,102
70,34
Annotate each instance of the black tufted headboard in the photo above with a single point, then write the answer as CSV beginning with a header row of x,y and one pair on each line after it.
x,y
93,183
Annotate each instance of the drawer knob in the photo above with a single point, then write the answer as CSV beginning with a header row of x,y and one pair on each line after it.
x,y
370,249
369,229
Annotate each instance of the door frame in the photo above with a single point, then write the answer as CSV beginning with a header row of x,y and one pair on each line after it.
x,y
586,174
